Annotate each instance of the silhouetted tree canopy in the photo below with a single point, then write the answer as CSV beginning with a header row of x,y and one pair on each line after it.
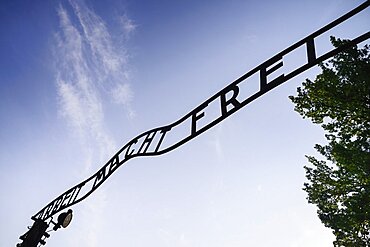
x,y
339,100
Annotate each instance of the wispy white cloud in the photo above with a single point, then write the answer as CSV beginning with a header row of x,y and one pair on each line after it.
x,y
108,59
124,95
91,73
127,26
98,39
90,68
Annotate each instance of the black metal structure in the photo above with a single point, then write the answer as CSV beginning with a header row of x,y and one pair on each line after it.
x,y
35,234
151,143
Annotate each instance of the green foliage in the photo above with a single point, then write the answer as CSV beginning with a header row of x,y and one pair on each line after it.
x,y
339,100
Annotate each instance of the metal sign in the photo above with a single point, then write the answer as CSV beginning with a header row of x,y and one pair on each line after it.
x,y
228,100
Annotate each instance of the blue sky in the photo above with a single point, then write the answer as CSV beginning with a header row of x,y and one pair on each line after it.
x,y
79,79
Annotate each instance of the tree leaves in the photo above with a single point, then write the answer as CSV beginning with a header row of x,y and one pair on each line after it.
x,y
339,100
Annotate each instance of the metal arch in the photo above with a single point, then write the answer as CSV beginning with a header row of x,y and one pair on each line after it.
x,y
144,144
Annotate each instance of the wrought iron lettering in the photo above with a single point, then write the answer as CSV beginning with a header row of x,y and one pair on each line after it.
x,y
229,101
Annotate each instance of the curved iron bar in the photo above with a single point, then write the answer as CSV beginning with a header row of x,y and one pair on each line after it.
x,y
129,151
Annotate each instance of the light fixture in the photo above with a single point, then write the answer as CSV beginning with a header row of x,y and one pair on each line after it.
x,y
63,220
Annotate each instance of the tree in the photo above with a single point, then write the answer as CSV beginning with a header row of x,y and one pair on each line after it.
x,y
339,100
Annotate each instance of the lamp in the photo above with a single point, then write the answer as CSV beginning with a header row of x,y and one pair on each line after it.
x,y
64,219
